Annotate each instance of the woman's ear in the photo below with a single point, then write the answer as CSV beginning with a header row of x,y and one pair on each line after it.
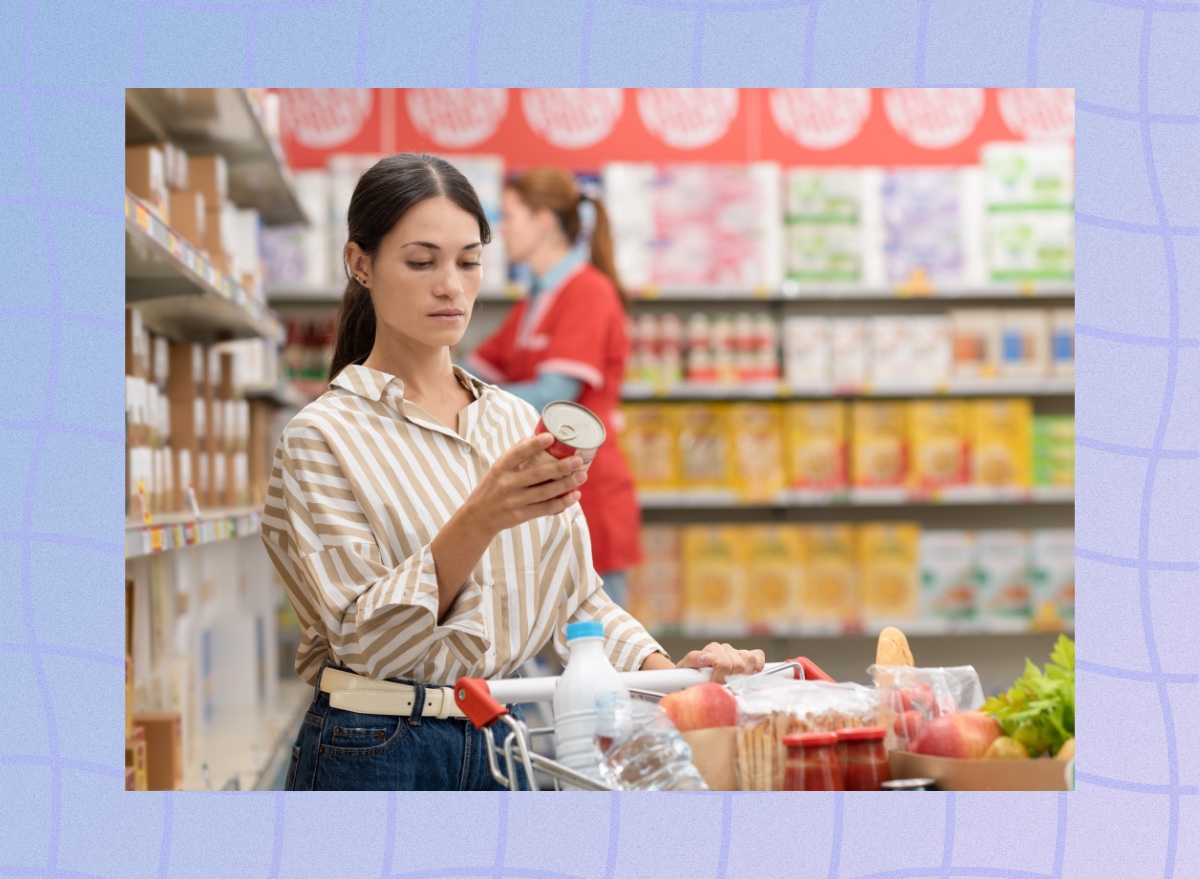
x,y
359,263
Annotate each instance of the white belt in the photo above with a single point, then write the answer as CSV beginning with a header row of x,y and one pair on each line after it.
x,y
362,695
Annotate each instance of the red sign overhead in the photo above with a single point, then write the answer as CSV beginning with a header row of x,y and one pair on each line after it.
x,y
583,129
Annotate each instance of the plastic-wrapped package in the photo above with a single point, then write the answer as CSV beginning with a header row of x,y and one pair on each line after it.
x,y
771,707
911,697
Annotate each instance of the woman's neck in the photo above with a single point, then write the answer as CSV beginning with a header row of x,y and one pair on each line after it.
x,y
427,373
547,256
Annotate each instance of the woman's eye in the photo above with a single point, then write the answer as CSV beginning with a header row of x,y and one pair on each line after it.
x,y
471,265
419,265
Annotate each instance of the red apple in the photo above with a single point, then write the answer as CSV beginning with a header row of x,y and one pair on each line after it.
x,y
965,736
909,725
701,707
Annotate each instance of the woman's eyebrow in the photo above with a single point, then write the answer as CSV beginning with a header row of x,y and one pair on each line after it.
x,y
430,245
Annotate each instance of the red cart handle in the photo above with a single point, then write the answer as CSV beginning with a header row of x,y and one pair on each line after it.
x,y
812,672
475,699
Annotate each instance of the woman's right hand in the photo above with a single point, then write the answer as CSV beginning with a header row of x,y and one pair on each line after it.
x,y
520,486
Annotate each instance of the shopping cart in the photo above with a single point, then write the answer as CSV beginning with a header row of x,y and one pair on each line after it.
x,y
484,704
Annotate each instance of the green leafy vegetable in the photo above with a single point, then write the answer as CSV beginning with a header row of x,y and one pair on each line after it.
x,y
1039,709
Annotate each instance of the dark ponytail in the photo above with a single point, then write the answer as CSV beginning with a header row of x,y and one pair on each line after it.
x,y
383,195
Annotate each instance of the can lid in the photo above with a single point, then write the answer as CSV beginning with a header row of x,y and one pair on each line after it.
x,y
589,629
909,784
574,425
809,740
862,734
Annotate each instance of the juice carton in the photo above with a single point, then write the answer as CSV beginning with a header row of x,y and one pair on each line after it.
x,y
705,460
649,441
756,432
1002,578
1000,443
1052,575
938,443
830,593
947,575
888,570
714,575
656,585
775,574
878,440
815,445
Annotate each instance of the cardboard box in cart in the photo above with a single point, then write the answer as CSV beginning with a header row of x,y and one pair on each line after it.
x,y
952,774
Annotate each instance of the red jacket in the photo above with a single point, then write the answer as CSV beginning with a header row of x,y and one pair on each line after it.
x,y
578,329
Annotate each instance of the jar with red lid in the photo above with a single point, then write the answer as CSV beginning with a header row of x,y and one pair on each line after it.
x,y
811,762
863,758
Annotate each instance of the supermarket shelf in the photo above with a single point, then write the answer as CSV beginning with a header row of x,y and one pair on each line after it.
x,y
179,530
226,121
179,292
305,294
860,497
929,628
284,394
1035,387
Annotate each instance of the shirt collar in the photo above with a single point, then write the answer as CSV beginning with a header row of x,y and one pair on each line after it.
x,y
559,270
373,384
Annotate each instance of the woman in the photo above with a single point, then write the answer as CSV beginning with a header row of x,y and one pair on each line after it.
x,y
418,531
568,341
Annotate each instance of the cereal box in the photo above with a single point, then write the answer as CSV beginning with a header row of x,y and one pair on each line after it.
x,y
656,585
650,442
829,581
938,443
705,460
815,445
976,344
806,352
879,439
775,574
887,556
1000,443
714,575
891,351
1052,577
850,351
947,575
932,352
756,432
1002,578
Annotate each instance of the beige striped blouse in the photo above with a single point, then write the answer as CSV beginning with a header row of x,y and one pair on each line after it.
x,y
361,484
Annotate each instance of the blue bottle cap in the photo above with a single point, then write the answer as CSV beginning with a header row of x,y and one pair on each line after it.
x,y
591,629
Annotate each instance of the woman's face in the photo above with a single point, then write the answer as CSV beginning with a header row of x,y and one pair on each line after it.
x,y
426,274
523,228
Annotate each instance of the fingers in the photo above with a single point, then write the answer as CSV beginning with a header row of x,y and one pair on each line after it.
x,y
544,471
552,507
522,451
725,661
544,491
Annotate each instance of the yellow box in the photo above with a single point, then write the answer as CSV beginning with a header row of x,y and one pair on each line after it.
x,y
756,433
888,569
879,440
815,445
829,582
1000,443
775,574
714,575
705,460
650,443
939,447
655,585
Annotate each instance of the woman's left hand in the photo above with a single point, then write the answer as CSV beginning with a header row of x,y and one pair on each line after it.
x,y
725,661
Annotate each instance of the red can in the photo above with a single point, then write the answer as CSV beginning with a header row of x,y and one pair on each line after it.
x,y
576,430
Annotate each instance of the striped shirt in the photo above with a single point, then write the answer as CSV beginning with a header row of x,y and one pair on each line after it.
x,y
361,484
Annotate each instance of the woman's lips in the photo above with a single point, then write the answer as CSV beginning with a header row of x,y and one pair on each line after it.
x,y
447,316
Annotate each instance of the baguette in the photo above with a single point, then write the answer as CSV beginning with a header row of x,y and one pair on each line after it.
x,y
893,648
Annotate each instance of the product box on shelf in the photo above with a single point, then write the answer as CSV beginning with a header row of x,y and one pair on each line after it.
x,y
888,566
1028,174
830,593
146,177
923,227
137,345
704,453
714,575
135,758
186,398
128,680
849,351
756,433
947,575
815,445
806,352
209,175
931,344
1031,245
649,440
1052,577
189,217
164,750
1000,442
891,351
1024,342
824,252
260,456
939,443
775,557
1062,344
220,240
976,334
1053,450
879,441
656,585
1002,578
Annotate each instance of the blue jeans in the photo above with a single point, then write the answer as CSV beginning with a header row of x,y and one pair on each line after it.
x,y
344,750
616,587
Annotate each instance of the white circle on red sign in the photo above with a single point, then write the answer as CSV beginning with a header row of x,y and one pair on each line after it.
x,y
687,119
820,119
324,118
572,119
1039,114
456,118
934,118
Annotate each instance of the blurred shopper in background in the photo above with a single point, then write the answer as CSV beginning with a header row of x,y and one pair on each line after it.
x,y
568,340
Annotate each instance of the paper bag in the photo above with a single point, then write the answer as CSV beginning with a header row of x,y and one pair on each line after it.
x,y
714,754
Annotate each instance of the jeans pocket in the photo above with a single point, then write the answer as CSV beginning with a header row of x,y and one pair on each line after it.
x,y
290,784
350,734
358,736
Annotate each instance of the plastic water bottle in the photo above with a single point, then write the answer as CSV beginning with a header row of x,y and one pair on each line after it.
x,y
589,676
640,749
